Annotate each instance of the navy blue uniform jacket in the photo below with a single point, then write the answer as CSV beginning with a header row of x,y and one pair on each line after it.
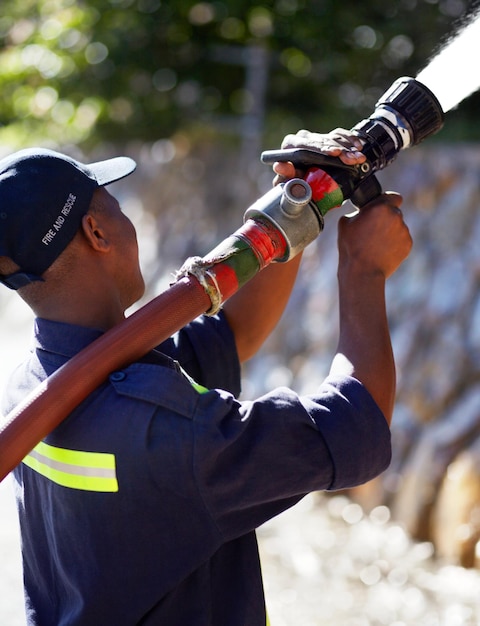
x,y
140,508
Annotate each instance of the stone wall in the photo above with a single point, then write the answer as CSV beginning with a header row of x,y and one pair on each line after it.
x,y
434,483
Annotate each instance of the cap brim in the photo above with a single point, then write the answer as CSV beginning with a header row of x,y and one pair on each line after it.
x,y
109,171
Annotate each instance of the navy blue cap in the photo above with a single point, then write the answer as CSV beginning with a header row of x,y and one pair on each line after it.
x,y
43,197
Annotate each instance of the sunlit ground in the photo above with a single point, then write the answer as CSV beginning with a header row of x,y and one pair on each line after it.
x,y
327,563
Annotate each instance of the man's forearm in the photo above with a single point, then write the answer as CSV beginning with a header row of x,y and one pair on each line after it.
x,y
364,348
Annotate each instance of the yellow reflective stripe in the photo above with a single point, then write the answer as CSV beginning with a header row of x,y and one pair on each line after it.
x,y
197,386
90,471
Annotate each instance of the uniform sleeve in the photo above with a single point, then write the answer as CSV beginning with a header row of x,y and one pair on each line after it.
x,y
255,459
206,349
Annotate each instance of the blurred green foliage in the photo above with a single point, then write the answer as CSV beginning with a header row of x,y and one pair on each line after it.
x,y
122,70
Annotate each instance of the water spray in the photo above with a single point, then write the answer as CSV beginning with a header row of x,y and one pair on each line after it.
x,y
447,74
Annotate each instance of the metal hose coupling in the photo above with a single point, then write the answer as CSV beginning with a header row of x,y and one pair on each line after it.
x,y
290,209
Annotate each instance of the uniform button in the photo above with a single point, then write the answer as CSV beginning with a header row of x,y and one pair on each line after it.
x,y
116,377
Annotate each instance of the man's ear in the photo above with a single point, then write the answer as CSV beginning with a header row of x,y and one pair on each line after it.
x,y
94,233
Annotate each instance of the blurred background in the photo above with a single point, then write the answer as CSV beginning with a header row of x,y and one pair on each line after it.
x,y
194,91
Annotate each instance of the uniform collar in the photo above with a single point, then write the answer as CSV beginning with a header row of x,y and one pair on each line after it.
x,y
67,340
63,339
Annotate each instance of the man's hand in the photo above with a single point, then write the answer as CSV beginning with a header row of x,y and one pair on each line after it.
x,y
339,143
376,239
